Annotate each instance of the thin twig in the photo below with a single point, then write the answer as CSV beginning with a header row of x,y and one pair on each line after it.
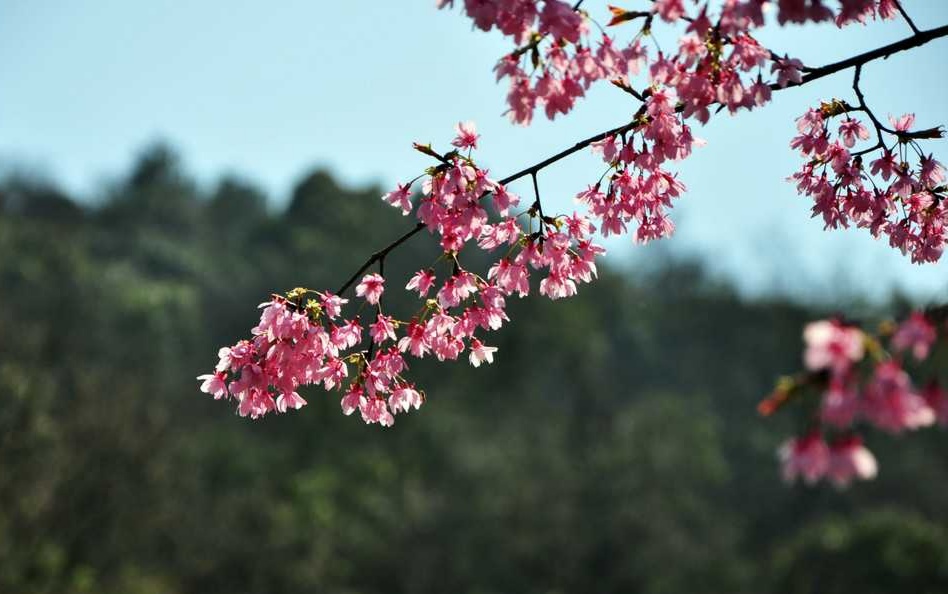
x,y
908,19
864,107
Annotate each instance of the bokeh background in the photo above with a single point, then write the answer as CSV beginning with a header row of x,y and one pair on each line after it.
x,y
165,166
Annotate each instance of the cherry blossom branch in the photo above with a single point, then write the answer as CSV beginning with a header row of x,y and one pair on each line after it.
x,y
532,170
857,61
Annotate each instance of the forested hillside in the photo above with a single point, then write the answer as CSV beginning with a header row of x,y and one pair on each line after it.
x,y
613,446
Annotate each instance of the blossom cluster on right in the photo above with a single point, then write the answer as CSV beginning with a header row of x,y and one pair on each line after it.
x,y
899,193
859,380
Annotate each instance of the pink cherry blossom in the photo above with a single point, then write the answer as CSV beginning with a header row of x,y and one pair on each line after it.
x,y
840,402
892,404
848,460
903,122
353,400
214,384
404,398
332,304
807,457
832,345
371,288
481,353
788,71
931,173
289,400
466,135
885,166
850,130
422,282
400,198
670,10
916,334
887,9
374,410
383,329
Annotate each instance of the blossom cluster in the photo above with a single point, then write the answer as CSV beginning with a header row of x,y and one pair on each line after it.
x,y
557,59
639,190
898,193
304,338
850,11
858,383
718,64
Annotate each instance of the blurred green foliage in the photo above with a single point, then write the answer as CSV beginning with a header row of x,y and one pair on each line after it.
x,y
612,447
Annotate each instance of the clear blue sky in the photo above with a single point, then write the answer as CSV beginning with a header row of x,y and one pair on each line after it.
x,y
270,89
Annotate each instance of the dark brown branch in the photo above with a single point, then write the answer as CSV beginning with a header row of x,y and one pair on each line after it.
x,y
378,256
883,52
537,208
864,107
567,152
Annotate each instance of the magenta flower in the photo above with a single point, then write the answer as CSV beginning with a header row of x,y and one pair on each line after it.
x,y
400,198
931,173
404,398
481,353
383,329
289,400
851,129
831,345
840,403
214,384
466,135
807,457
903,122
891,404
421,282
371,288
788,71
916,334
353,400
848,460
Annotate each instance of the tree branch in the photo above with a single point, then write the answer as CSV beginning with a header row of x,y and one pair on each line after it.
x,y
864,107
883,52
918,39
378,256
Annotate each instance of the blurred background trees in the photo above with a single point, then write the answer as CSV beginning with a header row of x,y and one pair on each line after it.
x,y
628,460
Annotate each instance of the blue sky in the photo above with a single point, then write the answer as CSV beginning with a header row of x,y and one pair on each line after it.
x,y
272,89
